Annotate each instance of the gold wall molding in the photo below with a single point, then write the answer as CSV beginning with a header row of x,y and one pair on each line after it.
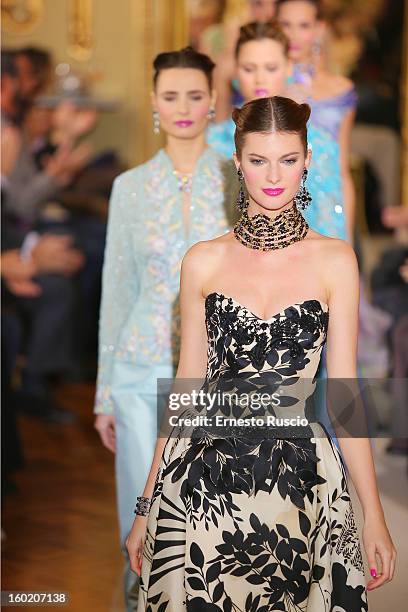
x,y
21,16
80,29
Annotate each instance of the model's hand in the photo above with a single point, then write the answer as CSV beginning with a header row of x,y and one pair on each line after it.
x,y
135,543
106,426
377,542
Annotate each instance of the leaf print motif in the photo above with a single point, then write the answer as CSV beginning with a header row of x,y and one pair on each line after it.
x,y
247,521
266,557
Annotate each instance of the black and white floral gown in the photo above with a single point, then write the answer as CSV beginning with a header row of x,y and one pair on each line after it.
x,y
243,524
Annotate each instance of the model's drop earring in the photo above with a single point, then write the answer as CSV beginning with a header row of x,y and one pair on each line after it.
x,y
242,200
156,122
303,198
317,47
211,114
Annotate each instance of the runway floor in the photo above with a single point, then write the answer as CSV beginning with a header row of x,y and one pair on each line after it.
x,y
60,525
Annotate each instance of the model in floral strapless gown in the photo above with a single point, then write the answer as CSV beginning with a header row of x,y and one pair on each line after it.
x,y
245,524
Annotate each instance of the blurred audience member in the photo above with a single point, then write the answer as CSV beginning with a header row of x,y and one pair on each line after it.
x,y
389,279
27,188
376,137
22,286
34,69
39,300
39,292
390,292
10,91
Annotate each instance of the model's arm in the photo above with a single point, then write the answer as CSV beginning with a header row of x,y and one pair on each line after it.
x,y
119,292
349,194
343,280
192,365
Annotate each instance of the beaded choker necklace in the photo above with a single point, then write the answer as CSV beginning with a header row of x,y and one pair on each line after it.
x,y
265,234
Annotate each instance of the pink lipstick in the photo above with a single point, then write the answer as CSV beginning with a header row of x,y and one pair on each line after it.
x,y
261,93
184,123
273,192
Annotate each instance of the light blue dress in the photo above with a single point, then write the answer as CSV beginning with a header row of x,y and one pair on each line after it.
x,y
139,318
325,175
326,117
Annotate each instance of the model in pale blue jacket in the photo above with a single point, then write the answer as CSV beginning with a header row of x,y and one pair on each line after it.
x,y
139,318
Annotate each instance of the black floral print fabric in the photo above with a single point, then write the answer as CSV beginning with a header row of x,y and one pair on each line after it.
x,y
243,523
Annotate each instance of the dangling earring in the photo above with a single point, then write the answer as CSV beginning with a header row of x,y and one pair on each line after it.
x,y
211,114
303,198
242,200
156,122
317,47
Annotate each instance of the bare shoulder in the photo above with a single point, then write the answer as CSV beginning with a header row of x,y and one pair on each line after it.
x,y
331,251
337,264
202,257
335,258
338,267
339,84
339,254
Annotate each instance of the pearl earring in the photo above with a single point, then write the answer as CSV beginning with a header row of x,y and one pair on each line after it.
x,y
156,122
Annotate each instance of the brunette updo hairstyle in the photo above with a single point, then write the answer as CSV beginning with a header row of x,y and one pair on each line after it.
x,y
260,31
185,58
315,3
266,115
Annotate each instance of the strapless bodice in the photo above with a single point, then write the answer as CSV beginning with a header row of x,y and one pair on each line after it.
x,y
241,344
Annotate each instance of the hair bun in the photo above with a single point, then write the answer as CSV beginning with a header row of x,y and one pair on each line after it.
x,y
306,111
184,58
235,115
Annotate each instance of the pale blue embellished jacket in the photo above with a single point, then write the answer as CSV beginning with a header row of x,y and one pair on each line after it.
x,y
146,241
